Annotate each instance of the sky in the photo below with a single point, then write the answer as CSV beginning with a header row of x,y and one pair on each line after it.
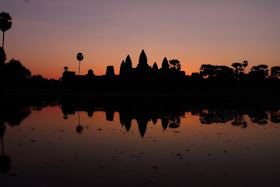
x,y
46,35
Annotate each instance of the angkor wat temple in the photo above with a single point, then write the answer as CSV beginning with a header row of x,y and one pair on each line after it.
x,y
142,76
169,77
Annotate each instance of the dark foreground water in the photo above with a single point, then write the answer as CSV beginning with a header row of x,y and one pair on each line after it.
x,y
62,143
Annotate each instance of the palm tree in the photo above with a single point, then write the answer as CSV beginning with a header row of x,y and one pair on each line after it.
x,y
80,57
245,64
79,128
2,56
5,24
5,161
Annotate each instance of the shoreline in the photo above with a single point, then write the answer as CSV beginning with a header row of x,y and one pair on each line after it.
x,y
116,94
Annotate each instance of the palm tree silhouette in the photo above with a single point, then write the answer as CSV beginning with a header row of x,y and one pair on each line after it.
x,y
2,56
79,128
5,161
245,64
5,24
80,57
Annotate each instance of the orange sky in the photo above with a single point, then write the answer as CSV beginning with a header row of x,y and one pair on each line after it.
x,y
46,36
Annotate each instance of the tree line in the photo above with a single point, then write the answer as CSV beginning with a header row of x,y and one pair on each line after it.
x,y
238,71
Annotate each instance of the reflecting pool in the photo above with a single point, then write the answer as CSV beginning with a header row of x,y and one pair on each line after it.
x,y
138,143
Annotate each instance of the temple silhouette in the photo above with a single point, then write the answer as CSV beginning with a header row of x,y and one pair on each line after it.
x,y
169,77
142,76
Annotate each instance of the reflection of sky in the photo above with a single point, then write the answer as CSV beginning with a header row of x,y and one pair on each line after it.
x,y
113,156
46,35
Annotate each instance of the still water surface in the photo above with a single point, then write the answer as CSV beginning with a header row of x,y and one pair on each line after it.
x,y
70,145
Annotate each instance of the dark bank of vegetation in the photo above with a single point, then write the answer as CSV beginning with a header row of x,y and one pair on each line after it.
x,y
143,78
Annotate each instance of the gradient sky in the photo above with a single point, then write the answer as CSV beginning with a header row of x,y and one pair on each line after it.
x,y
47,34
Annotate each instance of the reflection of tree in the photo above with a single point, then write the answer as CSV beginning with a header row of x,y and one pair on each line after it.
x,y
239,120
14,115
275,116
65,116
259,116
218,116
79,128
17,118
174,123
2,130
170,114
5,161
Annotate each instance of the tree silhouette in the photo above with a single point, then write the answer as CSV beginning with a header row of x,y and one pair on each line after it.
x,y
175,65
174,123
80,57
275,72
2,56
238,68
17,71
223,72
165,64
259,72
207,70
259,116
245,64
5,24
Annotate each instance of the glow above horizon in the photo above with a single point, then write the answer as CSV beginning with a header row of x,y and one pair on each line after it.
x,y
46,36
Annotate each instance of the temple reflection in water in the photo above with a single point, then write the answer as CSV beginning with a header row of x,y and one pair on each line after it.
x,y
172,118
104,134
167,114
